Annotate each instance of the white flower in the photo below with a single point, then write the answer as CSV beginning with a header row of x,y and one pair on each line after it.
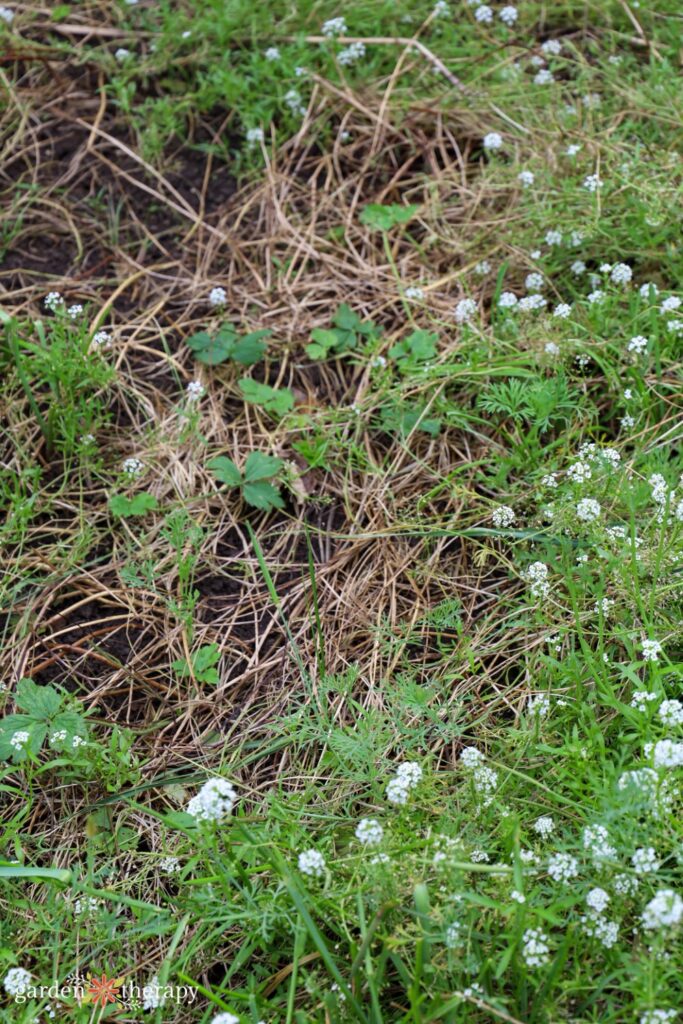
x,y
596,842
552,46
52,301
641,698
492,141
334,27
552,348
102,339
562,867
194,390
544,77
670,304
411,771
517,897
606,932
591,100
171,865
651,650
508,15
537,577
595,296
604,606
312,863
217,297
597,900
58,736
483,267
254,137
225,1018
573,148
588,509
369,832
132,466
562,310
507,300
549,480
350,54
579,472
471,757
648,290
621,273
295,103
658,1016
272,53
485,781
592,182
7,14
122,54
665,753
414,292
538,704
19,739
534,282
484,14
625,885
16,981
214,801
85,905
525,178
530,302
151,995
465,310
479,857
441,9
544,826
553,237
671,712
535,949
75,311
664,910
638,344
644,860
503,516
407,777
578,267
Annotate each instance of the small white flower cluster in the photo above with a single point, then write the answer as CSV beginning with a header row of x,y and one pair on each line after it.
x,y
272,53
544,826
351,53
641,699
312,863
7,15
621,273
598,927
644,860
562,311
503,516
214,801
86,905
596,900
485,779
16,981
170,865
53,301
535,948
665,753
369,832
217,296
132,467
225,1018
508,15
530,303
658,1016
453,935
194,390
588,510
517,897
152,996
562,867
101,339
651,650
525,178
334,27
671,712
414,292
597,845
665,910
295,103
254,137
538,705
637,344
492,142
537,577
465,310
19,739
484,14
407,777
592,182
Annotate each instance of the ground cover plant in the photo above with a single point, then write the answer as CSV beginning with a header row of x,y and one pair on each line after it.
x,y
342,497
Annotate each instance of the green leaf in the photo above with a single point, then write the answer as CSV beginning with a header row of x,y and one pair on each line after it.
x,y
138,505
225,470
418,346
40,702
71,723
346,318
20,871
250,349
262,495
261,467
21,723
275,400
383,218
212,351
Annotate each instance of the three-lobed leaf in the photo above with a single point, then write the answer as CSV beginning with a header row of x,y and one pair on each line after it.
x,y
225,470
138,505
226,344
276,400
383,218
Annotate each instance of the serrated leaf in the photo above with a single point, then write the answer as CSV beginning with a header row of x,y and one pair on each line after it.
x,y
262,495
383,218
211,351
275,400
138,505
37,731
40,702
225,470
250,349
261,467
